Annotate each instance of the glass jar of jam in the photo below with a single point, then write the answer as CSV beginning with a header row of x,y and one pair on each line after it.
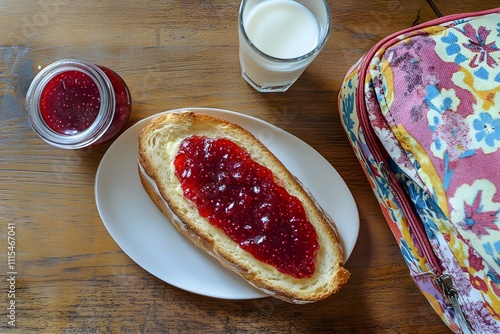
x,y
74,104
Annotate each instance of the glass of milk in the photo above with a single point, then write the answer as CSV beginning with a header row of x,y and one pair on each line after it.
x,y
279,39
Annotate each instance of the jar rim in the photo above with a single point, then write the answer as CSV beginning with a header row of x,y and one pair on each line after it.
x,y
96,129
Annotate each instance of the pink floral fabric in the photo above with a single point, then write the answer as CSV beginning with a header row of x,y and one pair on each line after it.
x,y
432,95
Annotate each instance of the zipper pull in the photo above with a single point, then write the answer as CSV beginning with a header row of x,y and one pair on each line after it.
x,y
451,294
444,280
384,170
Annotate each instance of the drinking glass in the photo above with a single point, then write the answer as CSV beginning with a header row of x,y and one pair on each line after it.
x,y
278,39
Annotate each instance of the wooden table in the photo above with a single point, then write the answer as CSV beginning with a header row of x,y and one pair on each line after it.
x,y
71,275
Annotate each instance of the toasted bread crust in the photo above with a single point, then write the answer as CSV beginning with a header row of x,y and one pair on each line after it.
x,y
162,187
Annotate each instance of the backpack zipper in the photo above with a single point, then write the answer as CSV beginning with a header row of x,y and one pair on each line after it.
x,y
451,293
443,279
414,222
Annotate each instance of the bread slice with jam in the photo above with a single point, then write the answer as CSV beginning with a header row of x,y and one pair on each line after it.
x,y
229,195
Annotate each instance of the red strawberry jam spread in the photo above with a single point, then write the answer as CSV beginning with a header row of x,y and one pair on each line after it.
x,y
70,102
241,197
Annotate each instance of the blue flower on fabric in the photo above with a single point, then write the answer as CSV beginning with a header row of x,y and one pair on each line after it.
x,y
487,129
453,48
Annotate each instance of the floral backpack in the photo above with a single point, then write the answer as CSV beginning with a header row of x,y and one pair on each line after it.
x,y
422,112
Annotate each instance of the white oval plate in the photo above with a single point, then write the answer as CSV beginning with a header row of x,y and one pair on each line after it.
x,y
146,236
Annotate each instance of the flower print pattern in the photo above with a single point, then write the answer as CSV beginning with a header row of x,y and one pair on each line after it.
x,y
452,133
474,48
451,143
474,210
483,121
347,112
475,261
407,252
402,57
453,118
479,283
453,48
477,216
447,126
479,45
395,151
425,206
439,101
486,129
493,249
484,323
476,220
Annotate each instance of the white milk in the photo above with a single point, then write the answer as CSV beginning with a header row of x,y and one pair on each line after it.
x,y
282,29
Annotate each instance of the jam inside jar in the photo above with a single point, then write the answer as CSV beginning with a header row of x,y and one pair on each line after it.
x,y
73,104
241,197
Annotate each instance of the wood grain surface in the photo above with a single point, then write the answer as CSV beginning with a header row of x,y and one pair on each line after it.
x,y
71,275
